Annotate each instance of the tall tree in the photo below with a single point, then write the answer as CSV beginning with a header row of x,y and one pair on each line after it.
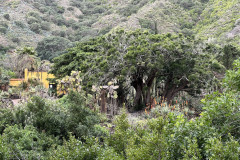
x,y
136,58
20,59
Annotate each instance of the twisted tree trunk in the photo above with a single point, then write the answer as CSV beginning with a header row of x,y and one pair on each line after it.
x,y
138,85
172,89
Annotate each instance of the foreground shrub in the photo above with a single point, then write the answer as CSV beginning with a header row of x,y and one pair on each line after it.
x,y
25,143
81,119
173,137
222,112
70,114
91,149
216,149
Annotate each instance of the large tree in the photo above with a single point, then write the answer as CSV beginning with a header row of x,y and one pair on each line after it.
x,y
137,59
21,59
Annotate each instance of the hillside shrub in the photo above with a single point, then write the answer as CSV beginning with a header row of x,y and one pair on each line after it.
x,y
15,39
35,27
37,5
4,49
20,24
43,9
3,30
47,18
34,14
31,20
60,10
46,26
7,16
132,7
70,22
70,9
59,20
4,24
59,33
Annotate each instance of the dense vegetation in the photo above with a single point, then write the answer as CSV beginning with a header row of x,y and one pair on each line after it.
x,y
152,64
144,71
68,129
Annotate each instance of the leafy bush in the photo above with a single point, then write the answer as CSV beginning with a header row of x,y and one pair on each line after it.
x,y
59,20
3,49
3,27
58,118
3,30
119,139
60,10
46,26
232,78
35,27
4,24
6,118
20,24
216,149
59,33
222,111
81,120
46,117
25,143
7,17
15,39
3,149
31,20
91,149
34,14
132,7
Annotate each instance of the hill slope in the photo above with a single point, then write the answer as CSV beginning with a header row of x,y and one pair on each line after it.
x,y
220,22
27,22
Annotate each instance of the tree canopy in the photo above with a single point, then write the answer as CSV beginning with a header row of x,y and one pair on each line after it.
x,y
52,47
140,59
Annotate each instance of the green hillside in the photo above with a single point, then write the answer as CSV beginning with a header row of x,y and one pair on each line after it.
x,y
220,22
28,22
